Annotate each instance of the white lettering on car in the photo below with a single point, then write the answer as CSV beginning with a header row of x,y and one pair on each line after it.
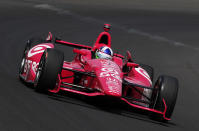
x,y
109,70
32,64
35,66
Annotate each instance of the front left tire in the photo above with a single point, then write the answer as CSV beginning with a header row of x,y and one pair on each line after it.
x,y
49,67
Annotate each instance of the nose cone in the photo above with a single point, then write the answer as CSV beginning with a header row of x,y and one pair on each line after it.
x,y
113,91
109,77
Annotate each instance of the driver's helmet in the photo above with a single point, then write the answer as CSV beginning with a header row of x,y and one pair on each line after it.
x,y
104,52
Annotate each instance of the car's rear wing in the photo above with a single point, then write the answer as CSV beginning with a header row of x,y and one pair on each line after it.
x,y
59,41
75,45
79,46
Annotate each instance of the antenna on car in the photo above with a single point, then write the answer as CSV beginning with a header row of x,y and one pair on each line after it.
x,y
107,27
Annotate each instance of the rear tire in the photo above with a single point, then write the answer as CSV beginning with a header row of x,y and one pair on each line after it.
x,y
49,67
167,89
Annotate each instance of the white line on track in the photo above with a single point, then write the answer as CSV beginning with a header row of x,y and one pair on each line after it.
x,y
132,31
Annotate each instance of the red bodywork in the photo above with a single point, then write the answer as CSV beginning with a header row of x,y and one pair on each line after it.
x,y
88,76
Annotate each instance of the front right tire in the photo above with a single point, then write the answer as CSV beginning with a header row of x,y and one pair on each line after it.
x,y
148,69
166,88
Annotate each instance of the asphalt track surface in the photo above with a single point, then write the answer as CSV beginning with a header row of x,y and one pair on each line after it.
x,y
163,38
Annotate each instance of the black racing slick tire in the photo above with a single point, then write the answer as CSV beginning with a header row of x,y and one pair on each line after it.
x,y
166,88
49,67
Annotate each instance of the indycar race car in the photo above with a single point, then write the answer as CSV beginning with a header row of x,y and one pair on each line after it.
x,y
118,77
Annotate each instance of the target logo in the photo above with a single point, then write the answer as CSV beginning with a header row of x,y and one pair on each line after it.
x,y
38,49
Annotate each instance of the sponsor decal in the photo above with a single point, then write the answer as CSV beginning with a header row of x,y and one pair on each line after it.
x,y
143,73
37,49
32,64
112,76
110,70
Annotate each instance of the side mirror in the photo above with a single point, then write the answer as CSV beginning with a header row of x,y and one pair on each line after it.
x,y
129,57
81,52
130,64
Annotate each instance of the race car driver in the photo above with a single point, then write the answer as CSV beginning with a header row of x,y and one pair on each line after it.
x,y
104,52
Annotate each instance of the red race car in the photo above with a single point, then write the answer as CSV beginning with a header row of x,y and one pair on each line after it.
x,y
97,71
